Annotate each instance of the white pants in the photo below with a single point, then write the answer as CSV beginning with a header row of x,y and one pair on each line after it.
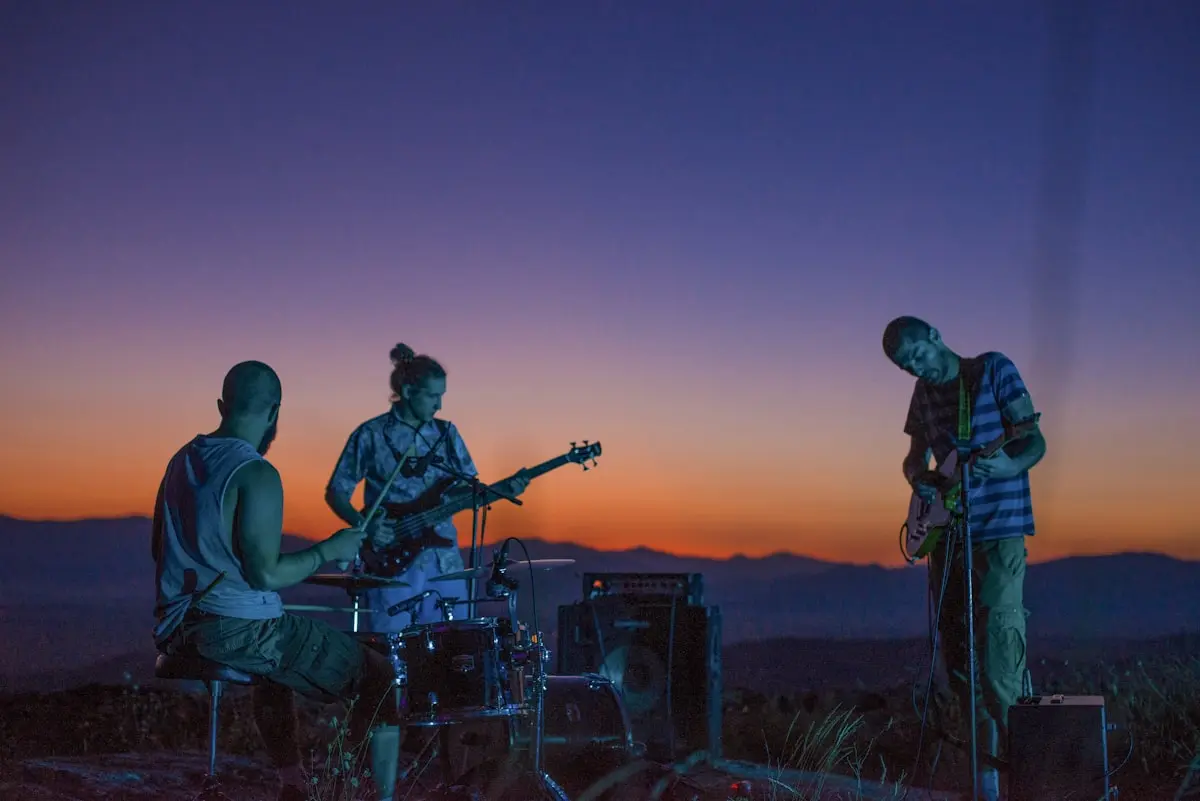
x,y
425,568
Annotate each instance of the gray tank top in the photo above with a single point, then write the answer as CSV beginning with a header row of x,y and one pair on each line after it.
x,y
190,547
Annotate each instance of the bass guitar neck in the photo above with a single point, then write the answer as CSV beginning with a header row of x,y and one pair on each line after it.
x,y
414,523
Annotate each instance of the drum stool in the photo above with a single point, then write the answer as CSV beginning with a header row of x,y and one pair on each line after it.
x,y
188,667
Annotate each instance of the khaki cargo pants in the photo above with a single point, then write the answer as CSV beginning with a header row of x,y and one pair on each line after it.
x,y
998,585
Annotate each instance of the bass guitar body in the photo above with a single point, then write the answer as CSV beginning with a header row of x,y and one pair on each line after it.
x,y
412,538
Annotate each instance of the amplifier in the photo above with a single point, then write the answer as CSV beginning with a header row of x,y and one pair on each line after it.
x,y
686,587
1058,748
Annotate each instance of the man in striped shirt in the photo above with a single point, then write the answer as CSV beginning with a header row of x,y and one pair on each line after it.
x,y
1001,514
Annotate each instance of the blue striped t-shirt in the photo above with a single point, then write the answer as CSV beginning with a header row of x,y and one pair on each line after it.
x,y
1000,508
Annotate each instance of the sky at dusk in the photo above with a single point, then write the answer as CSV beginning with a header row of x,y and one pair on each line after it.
x,y
677,228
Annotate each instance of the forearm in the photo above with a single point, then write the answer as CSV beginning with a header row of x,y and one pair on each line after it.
x,y
293,568
343,509
915,466
1027,451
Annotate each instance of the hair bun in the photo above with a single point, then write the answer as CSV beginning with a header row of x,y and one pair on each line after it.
x,y
402,354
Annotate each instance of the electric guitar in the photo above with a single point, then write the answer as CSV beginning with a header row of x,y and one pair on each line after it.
x,y
927,520
414,522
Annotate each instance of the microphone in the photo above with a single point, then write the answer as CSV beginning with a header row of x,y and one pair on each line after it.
x,y
499,564
409,604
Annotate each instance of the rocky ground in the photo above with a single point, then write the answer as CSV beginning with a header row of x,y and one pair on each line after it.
x,y
143,742
164,776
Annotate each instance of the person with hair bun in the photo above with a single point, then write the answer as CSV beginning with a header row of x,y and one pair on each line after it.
x,y
408,431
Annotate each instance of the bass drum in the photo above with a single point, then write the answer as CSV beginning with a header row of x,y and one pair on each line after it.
x,y
586,735
584,713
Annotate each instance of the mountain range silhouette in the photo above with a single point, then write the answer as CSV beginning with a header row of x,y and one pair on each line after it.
x,y
80,593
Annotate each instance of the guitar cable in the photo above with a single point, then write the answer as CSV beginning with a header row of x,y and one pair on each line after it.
x,y
934,616
537,627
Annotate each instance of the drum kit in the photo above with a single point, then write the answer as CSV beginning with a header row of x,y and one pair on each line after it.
x,y
491,670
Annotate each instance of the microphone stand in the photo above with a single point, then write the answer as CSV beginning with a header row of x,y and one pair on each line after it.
x,y
479,491
964,452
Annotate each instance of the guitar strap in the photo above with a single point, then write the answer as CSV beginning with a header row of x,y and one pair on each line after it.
x,y
964,407
968,381
444,438
970,370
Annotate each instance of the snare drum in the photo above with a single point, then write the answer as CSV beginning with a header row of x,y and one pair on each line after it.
x,y
461,670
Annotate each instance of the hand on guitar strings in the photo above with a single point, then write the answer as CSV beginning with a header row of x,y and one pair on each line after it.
x,y
929,483
380,531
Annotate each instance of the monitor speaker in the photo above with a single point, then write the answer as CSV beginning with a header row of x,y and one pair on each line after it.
x,y
664,658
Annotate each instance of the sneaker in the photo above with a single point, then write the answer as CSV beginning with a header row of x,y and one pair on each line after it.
x,y
989,785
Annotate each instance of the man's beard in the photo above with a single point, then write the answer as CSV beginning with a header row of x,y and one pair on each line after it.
x,y
268,437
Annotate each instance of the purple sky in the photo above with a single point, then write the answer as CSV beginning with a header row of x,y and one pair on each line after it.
x,y
682,226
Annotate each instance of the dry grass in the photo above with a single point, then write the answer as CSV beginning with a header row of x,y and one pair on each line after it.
x,y
1155,700
343,773
865,735
837,744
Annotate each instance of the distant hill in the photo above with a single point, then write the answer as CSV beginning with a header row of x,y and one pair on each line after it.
x,y
78,593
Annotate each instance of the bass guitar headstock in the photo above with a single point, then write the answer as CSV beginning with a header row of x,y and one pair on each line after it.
x,y
582,454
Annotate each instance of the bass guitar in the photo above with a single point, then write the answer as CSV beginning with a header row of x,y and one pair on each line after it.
x,y
928,520
414,522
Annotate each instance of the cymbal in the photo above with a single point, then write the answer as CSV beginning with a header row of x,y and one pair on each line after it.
x,y
350,582
337,609
483,571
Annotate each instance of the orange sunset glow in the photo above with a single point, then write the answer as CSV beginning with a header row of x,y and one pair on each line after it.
x,y
820,478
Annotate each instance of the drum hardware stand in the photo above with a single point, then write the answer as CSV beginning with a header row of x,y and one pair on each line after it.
x,y
355,596
357,569
501,585
479,493
446,607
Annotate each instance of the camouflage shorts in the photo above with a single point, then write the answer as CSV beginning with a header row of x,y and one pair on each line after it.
x,y
302,653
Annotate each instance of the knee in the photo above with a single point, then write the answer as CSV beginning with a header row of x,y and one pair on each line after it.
x,y
1006,644
378,673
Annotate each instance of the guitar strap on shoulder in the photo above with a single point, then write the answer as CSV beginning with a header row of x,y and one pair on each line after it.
x,y
444,438
967,384
964,409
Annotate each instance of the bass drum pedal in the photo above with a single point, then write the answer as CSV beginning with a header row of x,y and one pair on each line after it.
x,y
586,735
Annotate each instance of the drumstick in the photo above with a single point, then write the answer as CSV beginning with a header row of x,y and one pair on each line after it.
x,y
382,494
375,508
204,593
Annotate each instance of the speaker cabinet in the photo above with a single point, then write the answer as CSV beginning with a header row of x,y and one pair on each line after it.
x,y
1058,748
664,659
